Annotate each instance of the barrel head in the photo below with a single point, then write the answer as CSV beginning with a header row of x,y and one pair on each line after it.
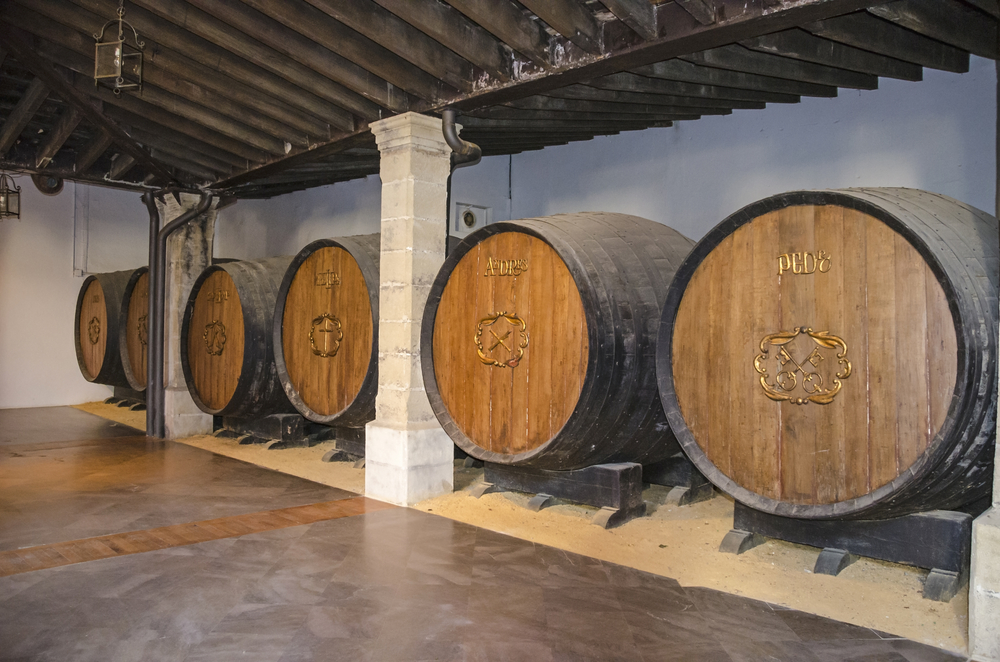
x,y
93,329
215,340
136,332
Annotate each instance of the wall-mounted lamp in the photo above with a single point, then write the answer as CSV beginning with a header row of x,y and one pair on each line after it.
x,y
10,197
118,63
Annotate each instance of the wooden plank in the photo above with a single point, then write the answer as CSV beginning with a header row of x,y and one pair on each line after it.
x,y
505,21
942,353
882,323
766,433
93,151
476,124
583,106
637,14
570,19
853,262
404,40
175,73
18,45
862,30
120,166
507,112
157,141
703,11
215,343
587,93
991,7
629,82
738,58
912,407
448,26
945,20
93,332
174,42
735,362
802,45
63,129
26,107
692,72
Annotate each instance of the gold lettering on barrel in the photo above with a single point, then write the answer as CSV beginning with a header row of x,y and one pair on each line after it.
x,y
327,279
506,336
330,332
804,262
215,337
218,296
495,267
813,383
94,331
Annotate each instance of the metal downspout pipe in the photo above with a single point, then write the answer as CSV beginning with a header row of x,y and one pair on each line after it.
x,y
155,422
465,154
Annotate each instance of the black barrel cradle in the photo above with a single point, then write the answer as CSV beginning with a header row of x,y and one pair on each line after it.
x,y
112,373
126,299
258,391
622,266
366,251
960,245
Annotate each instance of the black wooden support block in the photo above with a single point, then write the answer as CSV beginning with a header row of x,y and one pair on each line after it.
x,y
123,393
617,487
938,540
540,501
737,542
833,561
225,433
675,471
472,463
290,429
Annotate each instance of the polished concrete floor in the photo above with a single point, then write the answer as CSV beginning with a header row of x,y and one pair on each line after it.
x,y
354,584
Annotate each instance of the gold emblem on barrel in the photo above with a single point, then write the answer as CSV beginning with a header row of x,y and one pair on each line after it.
x,y
142,329
812,381
507,339
215,337
332,333
94,331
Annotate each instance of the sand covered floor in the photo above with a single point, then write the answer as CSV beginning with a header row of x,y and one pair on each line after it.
x,y
677,542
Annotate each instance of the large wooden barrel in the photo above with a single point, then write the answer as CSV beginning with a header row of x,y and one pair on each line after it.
x,y
134,329
832,354
538,340
226,339
326,330
96,328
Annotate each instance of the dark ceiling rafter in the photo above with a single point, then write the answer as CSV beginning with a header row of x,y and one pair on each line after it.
x,y
25,109
54,80
260,97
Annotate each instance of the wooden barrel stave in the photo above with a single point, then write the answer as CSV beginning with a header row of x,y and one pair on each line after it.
x,y
107,366
959,246
360,408
134,330
619,266
257,391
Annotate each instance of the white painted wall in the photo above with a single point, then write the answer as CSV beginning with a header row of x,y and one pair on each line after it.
x,y
938,135
38,290
253,229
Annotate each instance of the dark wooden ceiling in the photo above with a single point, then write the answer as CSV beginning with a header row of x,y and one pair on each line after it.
x,y
262,97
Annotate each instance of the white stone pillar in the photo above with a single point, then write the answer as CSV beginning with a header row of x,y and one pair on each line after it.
x,y
189,252
984,579
408,457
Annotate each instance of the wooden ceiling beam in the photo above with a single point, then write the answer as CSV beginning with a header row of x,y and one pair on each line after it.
x,y
208,27
171,72
305,52
862,30
92,151
224,63
64,128
738,58
587,93
945,20
991,7
198,173
571,105
637,14
477,124
507,112
157,141
26,107
506,22
395,34
703,11
450,28
121,164
628,82
801,45
401,76
570,19
688,72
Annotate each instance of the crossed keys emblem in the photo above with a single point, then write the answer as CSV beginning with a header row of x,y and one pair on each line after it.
x,y
514,339
332,331
787,377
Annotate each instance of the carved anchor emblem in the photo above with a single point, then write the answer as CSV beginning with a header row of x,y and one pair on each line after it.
x,y
215,337
516,334
787,378
94,331
332,331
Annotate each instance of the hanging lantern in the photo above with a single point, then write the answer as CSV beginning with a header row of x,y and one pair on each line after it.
x,y
118,63
10,197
